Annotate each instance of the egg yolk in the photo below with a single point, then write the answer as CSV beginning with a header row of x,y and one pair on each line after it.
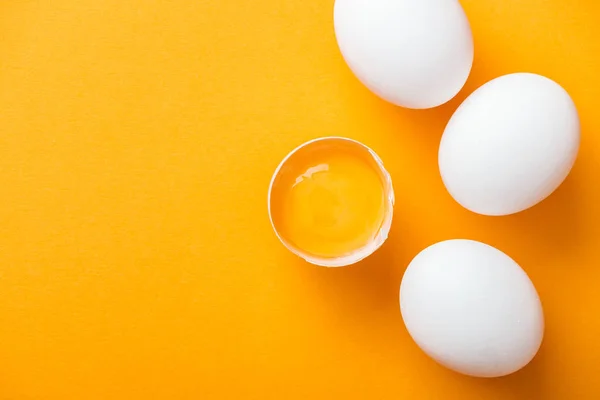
x,y
328,199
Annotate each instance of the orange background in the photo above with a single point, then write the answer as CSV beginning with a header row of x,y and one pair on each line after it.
x,y
137,141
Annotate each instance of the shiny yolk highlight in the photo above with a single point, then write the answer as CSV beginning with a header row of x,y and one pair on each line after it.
x,y
328,199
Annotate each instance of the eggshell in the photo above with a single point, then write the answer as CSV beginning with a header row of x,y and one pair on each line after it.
x,y
471,308
510,144
412,53
384,230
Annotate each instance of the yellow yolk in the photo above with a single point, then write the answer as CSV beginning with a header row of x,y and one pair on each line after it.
x,y
329,199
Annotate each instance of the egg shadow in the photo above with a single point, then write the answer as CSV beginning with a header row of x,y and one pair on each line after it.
x,y
554,225
423,128
526,384
366,289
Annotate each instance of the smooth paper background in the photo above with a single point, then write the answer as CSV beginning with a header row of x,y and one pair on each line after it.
x,y
137,141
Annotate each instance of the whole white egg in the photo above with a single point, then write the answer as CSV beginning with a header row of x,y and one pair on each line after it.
x,y
510,144
412,53
471,308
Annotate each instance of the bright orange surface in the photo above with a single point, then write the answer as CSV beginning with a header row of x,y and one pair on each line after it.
x,y
328,199
137,141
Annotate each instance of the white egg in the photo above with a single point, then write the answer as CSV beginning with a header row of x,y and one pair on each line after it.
x,y
412,53
472,308
510,144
